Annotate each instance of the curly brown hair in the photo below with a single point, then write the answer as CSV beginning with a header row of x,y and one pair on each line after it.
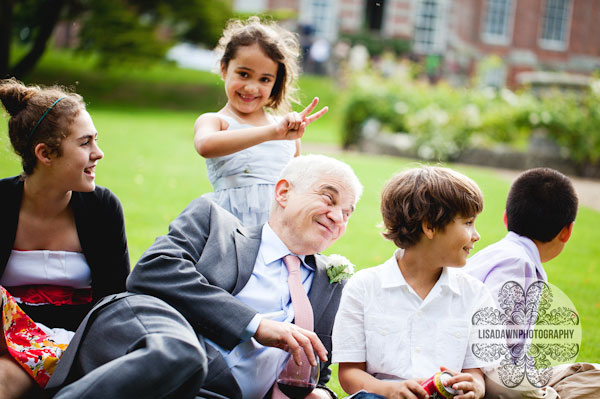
x,y
26,105
277,43
432,194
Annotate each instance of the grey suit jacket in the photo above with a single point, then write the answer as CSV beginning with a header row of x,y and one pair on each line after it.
x,y
205,259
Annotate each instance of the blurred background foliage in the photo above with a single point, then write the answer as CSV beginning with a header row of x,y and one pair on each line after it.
x,y
115,31
445,121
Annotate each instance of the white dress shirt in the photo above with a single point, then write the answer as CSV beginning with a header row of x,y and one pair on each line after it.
x,y
383,322
254,366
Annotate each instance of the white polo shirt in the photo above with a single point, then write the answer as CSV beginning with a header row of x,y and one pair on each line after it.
x,y
383,322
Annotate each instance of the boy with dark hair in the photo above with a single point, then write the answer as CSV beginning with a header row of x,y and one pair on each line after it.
x,y
540,213
400,322
541,202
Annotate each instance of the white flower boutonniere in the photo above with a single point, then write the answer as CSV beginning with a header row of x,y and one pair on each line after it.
x,y
339,268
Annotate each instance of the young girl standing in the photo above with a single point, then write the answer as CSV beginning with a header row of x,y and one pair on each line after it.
x,y
245,145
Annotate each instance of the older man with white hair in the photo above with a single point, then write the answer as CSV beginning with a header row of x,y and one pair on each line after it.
x,y
231,308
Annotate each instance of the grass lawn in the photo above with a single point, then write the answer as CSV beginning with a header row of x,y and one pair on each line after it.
x,y
151,165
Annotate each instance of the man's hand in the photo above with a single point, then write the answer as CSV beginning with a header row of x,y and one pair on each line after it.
x,y
291,338
319,393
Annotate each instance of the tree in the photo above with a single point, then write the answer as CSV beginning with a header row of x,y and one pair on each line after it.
x,y
117,30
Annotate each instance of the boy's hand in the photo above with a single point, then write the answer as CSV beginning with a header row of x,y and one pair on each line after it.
x,y
408,389
292,125
469,383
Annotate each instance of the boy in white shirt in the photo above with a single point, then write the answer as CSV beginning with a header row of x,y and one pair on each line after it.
x,y
403,321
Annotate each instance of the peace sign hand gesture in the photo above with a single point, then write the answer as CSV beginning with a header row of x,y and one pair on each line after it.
x,y
292,126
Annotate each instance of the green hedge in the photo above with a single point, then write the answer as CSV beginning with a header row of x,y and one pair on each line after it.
x,y
446,121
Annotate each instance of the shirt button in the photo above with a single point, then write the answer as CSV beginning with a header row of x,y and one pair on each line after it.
x,y
418,349
419,313
457,335
246,170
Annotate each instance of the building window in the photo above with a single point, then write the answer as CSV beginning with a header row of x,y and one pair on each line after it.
x,y
555,25
250,5
321,16
429,25
496,26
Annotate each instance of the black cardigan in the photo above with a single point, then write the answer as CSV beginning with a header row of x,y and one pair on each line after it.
x,y
101,230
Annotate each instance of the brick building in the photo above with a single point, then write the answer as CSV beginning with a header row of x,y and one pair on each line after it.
x,y
526,35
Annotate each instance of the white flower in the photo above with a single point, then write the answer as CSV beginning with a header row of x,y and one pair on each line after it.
x,y
509,97
488,92
595,85
426,152
534,119
338,268
472,115
401,107
546,117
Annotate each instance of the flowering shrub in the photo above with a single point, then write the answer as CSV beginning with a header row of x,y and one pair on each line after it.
x,y
446,121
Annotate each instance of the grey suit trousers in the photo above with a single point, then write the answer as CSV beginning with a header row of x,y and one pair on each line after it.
x,y
137,347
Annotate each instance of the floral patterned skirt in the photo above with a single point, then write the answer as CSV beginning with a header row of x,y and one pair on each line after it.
x,y
27,343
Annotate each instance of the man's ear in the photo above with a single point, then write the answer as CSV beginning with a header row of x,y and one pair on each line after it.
x,y
565,232
282,192
505,219
428,230
42,153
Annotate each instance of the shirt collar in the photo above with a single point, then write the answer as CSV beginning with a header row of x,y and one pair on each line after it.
x,y
448,279
392,276
533,251
272,248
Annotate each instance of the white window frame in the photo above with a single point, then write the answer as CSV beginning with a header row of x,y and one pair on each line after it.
x,y
438,31
494,38
552,44
256,6
322,15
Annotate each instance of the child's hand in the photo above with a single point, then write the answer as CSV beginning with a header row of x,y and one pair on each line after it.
x,y
469,384
292,125
408,389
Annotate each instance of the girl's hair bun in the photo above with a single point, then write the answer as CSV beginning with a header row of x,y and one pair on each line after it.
x,y
15,95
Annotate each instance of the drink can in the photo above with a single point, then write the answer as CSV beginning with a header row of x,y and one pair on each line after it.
x,y
437,386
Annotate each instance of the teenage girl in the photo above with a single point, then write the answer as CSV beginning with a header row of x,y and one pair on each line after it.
x,y
245,145
62,238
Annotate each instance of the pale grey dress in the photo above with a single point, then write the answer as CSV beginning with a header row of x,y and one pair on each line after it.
x,y
244,182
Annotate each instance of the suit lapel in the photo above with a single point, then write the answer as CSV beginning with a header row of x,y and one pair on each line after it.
x,y
321,291
247,243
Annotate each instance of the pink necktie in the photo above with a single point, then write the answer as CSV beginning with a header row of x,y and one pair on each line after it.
x,y
303,314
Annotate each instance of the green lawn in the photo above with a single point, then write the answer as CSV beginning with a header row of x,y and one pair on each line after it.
x,y
151,164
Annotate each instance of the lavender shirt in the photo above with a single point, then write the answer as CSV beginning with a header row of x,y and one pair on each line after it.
x,y
514,258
